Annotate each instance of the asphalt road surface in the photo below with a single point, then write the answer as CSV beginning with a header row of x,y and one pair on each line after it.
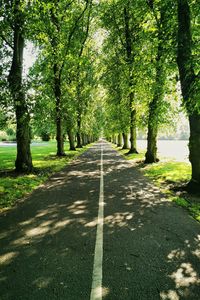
x,y
99,230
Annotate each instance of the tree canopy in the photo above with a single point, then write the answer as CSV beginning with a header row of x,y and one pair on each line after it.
x,y
108,66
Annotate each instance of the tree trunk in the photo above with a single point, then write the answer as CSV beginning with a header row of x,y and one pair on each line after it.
x,y
79,142
151,154
119,142
133,134
71,140
194,146
113,139
125,141
83,137
89,139
57,93
190,90
23,161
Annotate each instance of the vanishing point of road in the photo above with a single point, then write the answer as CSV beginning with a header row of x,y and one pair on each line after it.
x,y
99,230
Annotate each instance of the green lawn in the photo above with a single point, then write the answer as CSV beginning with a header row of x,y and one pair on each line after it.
x,y
44,160
166,173
132,156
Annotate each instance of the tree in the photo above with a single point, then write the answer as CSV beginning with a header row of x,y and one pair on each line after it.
x,y
158,94
190,86
14,18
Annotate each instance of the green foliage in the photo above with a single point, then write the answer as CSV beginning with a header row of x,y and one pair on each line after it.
x,y
180,201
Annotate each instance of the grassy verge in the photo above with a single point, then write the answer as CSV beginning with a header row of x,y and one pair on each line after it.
x,y
13,187
167,175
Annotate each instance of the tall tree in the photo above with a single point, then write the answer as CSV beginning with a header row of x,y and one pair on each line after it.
x,y
23,161
129,40
190,85
156,102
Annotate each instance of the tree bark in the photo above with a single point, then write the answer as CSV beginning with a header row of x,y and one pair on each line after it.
x,y
57,93
23,161
71,140
119,142
113,139
83,137
133,133
190,90
151,154
194,149
125,141
78,135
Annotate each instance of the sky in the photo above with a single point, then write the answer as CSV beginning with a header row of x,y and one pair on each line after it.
x,y
30,55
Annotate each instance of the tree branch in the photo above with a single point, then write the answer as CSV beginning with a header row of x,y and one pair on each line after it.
x,y
6,41
72,33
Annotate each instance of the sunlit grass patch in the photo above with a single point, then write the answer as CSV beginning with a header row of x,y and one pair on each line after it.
x,y
169,171
133,156
13,186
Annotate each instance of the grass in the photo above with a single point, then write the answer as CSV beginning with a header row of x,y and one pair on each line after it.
x,y
169,172
133,156
166,175
13,187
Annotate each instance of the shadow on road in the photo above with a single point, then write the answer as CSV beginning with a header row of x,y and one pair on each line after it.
x,y
151,247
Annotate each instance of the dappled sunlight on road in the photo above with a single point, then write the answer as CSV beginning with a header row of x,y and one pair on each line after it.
x,y
142,224
51,240
185,276
7,258
151,247
169,295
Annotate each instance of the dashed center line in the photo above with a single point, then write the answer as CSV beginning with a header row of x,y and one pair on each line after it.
x,y
96,291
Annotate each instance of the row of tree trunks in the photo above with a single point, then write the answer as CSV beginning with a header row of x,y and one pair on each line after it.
x,y
121,140
83,140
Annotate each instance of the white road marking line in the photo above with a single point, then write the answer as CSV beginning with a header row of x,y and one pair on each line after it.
x,y
96,291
